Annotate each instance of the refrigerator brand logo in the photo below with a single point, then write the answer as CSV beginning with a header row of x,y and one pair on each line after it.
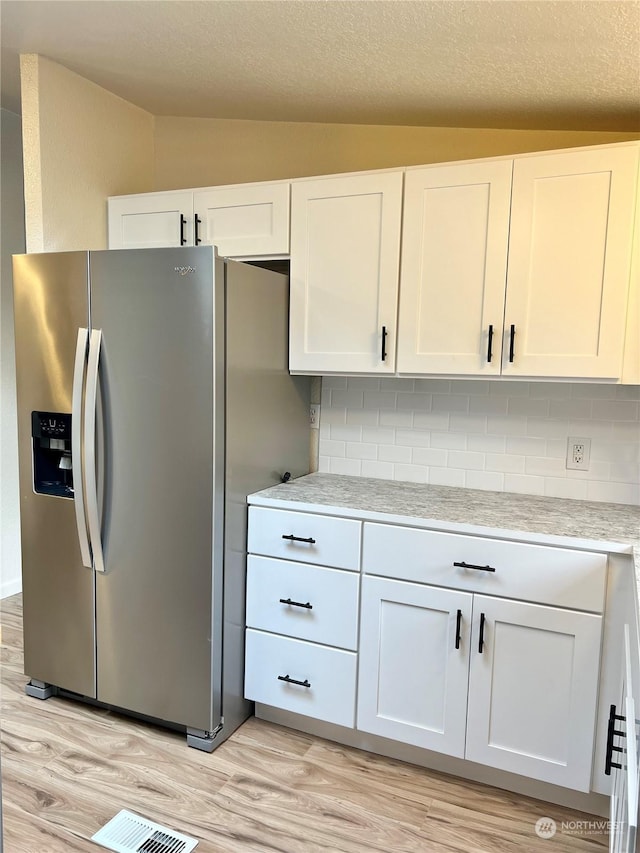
x,y
184,270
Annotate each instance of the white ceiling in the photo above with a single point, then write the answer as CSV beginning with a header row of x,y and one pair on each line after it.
x,y
562,64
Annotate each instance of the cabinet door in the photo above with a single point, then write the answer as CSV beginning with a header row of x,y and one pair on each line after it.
x,y
151,221
454,268
345,251
244,221
569,263
533,690
412,683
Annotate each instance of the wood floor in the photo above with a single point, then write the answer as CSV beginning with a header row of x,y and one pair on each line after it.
x,y
68,768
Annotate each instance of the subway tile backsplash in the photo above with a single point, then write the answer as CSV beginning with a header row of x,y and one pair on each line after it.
x,y
484,434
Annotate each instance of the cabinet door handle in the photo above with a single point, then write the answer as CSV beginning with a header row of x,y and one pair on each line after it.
x,y
490,344
293,538
481,643
296,603
512,337
384,343
464,565
458,626
197,221
609,763
183,222
286,678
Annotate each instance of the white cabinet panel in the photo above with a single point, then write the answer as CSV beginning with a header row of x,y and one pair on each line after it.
x,y
569,262
345,252
623,752
245,220
307,602
151,221
326,676
305,537
454,266
631,360
412,679
533,689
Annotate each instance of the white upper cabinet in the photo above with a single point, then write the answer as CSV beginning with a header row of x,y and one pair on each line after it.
x,y
518,266
569,263
245,220
242,221
345,251
454,268
562,228
151,221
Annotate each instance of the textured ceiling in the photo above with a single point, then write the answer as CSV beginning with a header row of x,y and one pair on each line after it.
x,y
562,64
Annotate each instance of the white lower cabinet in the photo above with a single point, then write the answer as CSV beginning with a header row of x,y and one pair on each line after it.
x,y
481,649
513,687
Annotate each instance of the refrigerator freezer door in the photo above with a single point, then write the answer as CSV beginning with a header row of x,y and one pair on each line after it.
x,y
160,313
51,304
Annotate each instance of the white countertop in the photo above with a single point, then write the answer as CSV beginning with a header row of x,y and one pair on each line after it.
x,y
607,527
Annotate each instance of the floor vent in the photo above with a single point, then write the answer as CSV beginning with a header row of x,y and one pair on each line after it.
x,y
129,833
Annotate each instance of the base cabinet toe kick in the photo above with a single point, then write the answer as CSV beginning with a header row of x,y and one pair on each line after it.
x,y
482,649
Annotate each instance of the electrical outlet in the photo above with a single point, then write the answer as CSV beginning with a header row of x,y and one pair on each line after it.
x,y
578,453
314,415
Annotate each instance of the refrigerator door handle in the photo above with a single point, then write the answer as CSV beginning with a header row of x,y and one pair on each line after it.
x,y
76,445
91,400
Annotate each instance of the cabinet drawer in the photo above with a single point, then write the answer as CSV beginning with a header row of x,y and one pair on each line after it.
x,y
556,576
329,673
304,537
324,602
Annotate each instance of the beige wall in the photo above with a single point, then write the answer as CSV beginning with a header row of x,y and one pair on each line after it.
x,y
81,144
11,242
192,152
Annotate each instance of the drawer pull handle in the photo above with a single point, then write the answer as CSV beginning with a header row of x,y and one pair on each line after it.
x,y
609,763
490,344
286,678
458,625
512,338
486,568
296,603
383,354
293,538
481,643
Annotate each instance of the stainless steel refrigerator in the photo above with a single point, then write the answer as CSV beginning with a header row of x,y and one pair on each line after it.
x,y
153,396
